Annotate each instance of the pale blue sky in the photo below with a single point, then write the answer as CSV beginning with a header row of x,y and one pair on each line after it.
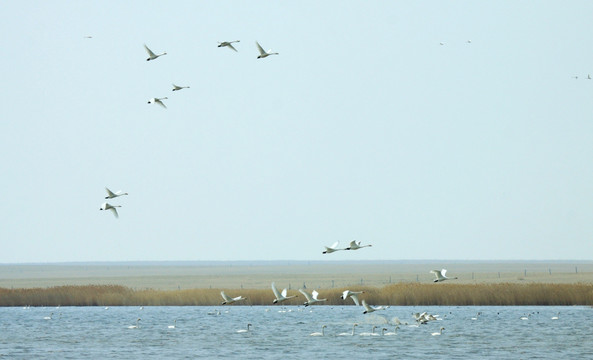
x,y
364,127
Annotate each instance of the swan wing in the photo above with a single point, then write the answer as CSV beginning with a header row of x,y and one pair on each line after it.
x,y
225,296
306,294
114,211
284,292
232,47
275,290
158,101
261,50
334,245
345,294
443,272
315,294
109,192
150,53
355,298
366,306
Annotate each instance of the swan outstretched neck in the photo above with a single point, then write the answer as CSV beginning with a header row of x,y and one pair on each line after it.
x,y
319,333
244,330
441,275
228,44
107,206
354,245
263,53
151,55
349,334
280,297
311,298
112,195
229,300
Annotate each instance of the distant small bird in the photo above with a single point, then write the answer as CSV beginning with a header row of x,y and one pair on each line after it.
x,y
151,55
440,275
173,326
229,300
354,245
353,295
469,41
176,88
280,297
228,44
88,37
588,77
331,249
441,43
263,53
107,206
158,101
311,298
111,195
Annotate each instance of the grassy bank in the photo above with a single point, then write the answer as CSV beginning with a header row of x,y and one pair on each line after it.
x,y
405,294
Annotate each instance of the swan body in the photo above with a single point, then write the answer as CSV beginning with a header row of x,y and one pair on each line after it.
x,y
438,333
176,88
151,55
228,44
158,101
441,275
244,330
49,317
137,326
263,53
354,245
477,316
319,333
112,195
369,309
392,333
525,317
555,317
353,295
107,206
174,325
280,297
311,298
331,249
229,300
372,333
349,334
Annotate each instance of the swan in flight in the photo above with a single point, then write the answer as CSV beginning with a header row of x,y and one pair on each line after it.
x,y
370,309
354,245
107,206
244,330
174,325
319,333
438,333
311,298
263,53
158,101
392,333
151,55
230,300
228,44
176,88
349,334
112,195
441,275
280,297
372,333
331,249
353,295
137,326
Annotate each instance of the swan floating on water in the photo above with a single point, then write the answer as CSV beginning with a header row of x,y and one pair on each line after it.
x,y
555,317
137,326
372,333
228,44
49,317
392,333
280,297
441,275
353,295
158,101
107,206
263,53
112,195
174,325
151,55
230,300
319,333
244,330
438,333
331,249
354,245
311,298
349,334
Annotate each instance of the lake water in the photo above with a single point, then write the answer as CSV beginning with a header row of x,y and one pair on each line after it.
x,y
211,332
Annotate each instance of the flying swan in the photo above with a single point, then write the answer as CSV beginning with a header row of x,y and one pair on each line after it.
x,y
311,298
331,249
228,44
107,206
229,300
441,275
263,53
280,297
151,55
112,195
353,295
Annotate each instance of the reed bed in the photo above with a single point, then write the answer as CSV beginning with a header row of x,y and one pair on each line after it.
x,y
403,294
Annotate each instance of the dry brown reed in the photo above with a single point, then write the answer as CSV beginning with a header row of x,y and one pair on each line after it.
x,y
404,294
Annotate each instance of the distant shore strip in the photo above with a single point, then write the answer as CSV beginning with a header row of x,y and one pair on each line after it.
x,y
401,294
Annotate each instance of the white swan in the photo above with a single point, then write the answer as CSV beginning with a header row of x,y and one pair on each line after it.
x,y
370,309
347,333
331,249
280,297
477,316
392,333
319,333
372,333
107,206
263,53
354,245
112,195
311,298
48,317
174,325
438,333
244,330
151,55
176,88
230,300
353,295
555,317
137,326
525,317
440,275
228,44
158,101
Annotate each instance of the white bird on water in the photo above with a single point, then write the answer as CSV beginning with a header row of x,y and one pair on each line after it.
x,y
372,333
158,101
441,275
107,206
392,333
353,295
349,334
331,249
311,298
354,245
230,300
112,195
137,326
228,44
369,309
151,55
48,317
263,53
174,325
319,333
280,297
438,333
244,330
177,88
